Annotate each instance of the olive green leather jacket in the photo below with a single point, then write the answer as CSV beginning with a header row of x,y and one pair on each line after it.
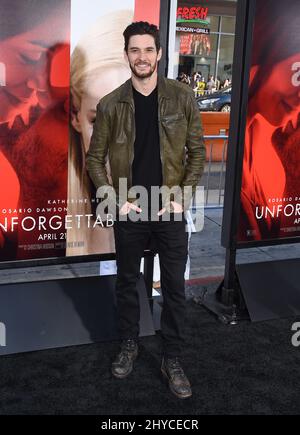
x,y
182,149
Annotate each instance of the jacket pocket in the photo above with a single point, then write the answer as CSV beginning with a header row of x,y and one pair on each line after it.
x,y
176,117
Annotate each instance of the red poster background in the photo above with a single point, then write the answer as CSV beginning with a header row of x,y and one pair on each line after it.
x,y
270,195
146,10
34,136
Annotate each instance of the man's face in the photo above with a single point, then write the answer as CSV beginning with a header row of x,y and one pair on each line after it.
x,y
142,56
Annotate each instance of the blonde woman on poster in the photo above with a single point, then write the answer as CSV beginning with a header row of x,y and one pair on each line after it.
x,y
97,68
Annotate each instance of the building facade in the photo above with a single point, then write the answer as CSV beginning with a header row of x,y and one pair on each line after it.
x,y
201,38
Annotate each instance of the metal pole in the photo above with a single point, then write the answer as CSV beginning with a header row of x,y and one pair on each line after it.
x,y
222,170
209,171
229,291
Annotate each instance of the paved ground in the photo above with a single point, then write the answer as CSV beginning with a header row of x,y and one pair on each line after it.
x,y
208,256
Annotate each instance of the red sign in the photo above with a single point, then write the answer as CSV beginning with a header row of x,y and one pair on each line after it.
x,y
192,13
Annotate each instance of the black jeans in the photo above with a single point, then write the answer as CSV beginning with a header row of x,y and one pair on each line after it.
x,y
131,239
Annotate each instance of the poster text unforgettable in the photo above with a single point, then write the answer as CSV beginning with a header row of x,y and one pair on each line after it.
x,y
55,217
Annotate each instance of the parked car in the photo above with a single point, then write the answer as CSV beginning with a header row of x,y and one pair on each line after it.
x,y
217,102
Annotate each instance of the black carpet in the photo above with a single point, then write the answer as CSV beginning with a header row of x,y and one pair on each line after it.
x,y
243,369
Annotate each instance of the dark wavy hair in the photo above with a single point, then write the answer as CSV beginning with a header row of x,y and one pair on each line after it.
x,y
141,28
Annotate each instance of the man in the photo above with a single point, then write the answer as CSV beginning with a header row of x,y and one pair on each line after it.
x,y
146,126
211,85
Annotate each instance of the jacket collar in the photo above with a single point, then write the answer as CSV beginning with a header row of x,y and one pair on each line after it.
x,y
126,94
162,87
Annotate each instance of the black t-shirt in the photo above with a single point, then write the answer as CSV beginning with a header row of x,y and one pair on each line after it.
x,y
146,167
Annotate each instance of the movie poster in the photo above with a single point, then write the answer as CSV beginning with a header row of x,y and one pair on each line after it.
x,y
195,44
97,68
34,132
58,58
270,194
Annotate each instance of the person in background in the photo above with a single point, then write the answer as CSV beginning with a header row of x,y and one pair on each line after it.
x,y
211,85
226,83
184,78
194,82
201,87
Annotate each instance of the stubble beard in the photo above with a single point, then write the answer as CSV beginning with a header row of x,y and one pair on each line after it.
x,y
144,75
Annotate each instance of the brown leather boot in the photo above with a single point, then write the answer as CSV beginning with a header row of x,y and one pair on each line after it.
x,y
178,382
123,364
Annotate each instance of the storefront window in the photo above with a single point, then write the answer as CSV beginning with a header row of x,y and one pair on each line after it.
x,y
225,57
228,25
198,54
204,39
214,22
207,64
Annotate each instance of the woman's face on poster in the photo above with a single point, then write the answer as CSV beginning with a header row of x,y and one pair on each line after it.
x,y
104,83
278,97
24,62
278,101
